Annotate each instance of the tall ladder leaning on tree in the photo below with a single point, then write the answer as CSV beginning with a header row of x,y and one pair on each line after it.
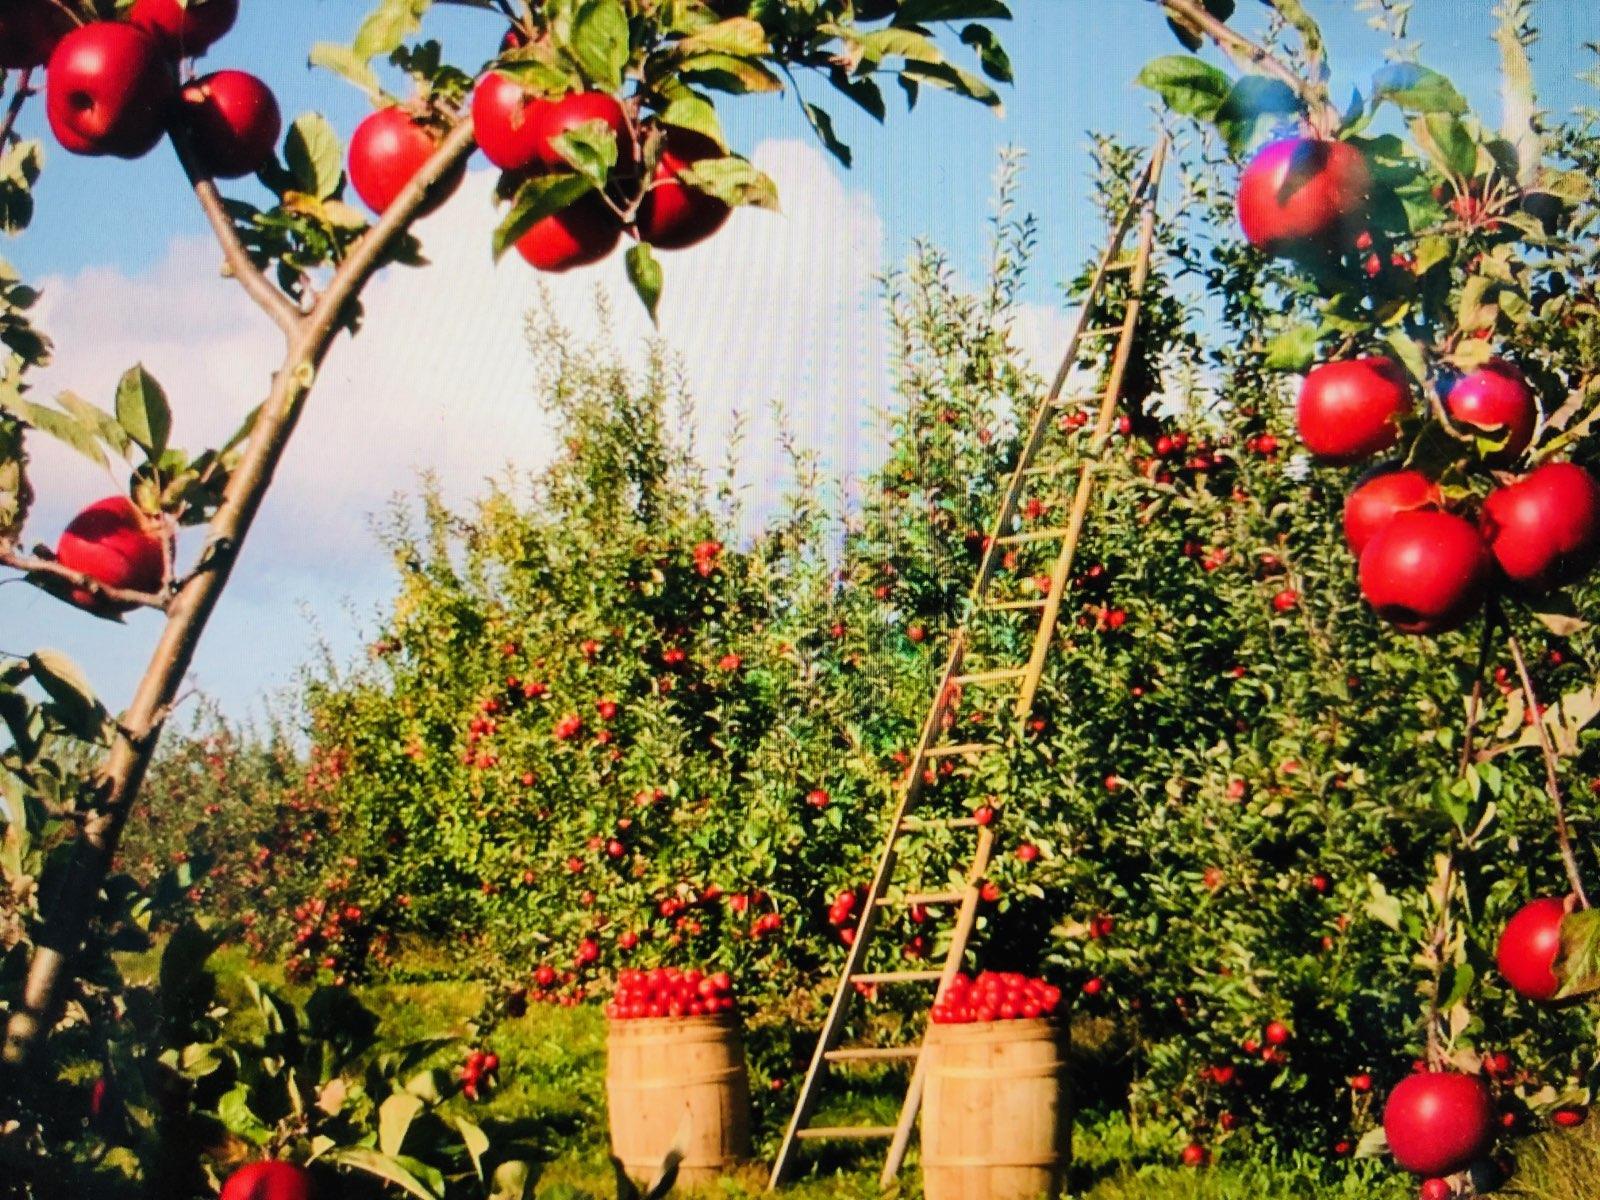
x,y
932,746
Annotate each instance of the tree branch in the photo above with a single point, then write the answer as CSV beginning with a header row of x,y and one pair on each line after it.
x,y
33,565
1552,782
1251,55
24,90
256,285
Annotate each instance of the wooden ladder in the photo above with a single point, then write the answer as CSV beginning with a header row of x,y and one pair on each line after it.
x,y
931,747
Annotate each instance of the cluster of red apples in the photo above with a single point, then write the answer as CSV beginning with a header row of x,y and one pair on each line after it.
x,y
1427,564
519,131
996,996
270,1179
670,992
112,87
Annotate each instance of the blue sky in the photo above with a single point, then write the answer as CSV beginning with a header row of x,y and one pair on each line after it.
x,y
128,275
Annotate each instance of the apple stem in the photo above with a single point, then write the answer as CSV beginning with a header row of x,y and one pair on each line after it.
x,y
1552,781
121,775
1324,118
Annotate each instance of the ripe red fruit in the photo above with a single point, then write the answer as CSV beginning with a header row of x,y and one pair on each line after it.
x,y
1379,496
1436,1189
114,544
1276,1033
1027,852
1195,1155
1286,601
108,90
672,214
1544,529
1568,1118
1496,399
386,152
516,128
1438,1122
985,814
1528,948
580,234
1300,197
233,122
552,118
1349,410
189,29
271,1180
29,31
1425,572
1361,1082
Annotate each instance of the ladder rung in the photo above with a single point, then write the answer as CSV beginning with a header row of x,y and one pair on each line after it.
x,y
845,1131
1014,605
924,898
918,824
956,749
897,977
1126,264
1071,401
1048,469
992,676
1102,331
873,1054
1032,535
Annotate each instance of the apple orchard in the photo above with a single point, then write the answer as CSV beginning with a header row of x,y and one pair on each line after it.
x,y
1296,841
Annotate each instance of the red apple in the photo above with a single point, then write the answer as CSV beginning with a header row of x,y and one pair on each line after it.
x,y
1300,197
1544,529
188,29
386,152
1497,400
271,1180
516,128
672,214
1529,946
1350,410
1379,496
114,544
29,31
233,121
1438,1122
1436,1189
1425,572
108,90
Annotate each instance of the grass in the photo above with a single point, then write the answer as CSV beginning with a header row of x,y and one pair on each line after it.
x,y
554,1073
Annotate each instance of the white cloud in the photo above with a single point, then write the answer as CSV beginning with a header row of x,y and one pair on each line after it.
x,y
775,307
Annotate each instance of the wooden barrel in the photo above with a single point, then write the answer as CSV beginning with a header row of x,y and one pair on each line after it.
x,y
995,1124
663,1072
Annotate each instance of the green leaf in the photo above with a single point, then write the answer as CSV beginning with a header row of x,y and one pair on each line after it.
x,y
738,35
511,1181
348,65
143,411
1446,140
598,42
313,155
1292,350
693,112
1578,963
387,27
822,124
590,149
475,1141
1416,89
59,425
395,1116
1253,104
538,198
418,1179
644,272
734,181
924,12
727,73
92,415
1187,85
1460,984
1409,351
235,1113
68,688
992,56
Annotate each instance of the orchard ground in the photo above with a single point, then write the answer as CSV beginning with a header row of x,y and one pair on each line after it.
x,y
554,1064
